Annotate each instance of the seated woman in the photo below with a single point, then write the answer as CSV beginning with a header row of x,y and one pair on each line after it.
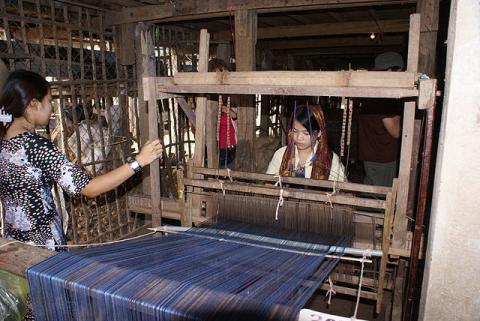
x,y
307,153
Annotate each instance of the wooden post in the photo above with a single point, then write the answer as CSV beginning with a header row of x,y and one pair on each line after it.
x,y
149,95
429,9
211,134
245,41
405,170
194,203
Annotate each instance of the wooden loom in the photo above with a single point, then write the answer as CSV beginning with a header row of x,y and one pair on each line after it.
x,y
381,223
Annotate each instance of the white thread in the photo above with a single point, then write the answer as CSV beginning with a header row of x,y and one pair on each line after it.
x,y
334,191
280,197
366,253
330,291
229,175
91,244
6,244
221,186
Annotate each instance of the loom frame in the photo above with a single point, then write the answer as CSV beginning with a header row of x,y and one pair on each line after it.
x,y
419,91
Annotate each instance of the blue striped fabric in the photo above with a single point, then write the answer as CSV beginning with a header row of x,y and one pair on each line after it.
x,y
182,277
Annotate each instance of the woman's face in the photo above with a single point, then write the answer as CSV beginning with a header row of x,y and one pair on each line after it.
x,y
45,110
302,138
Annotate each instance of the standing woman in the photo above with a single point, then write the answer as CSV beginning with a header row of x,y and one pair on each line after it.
x,y
307,153
30,164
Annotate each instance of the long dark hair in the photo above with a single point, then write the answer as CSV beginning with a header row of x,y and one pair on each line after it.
x,y
21,87
312,118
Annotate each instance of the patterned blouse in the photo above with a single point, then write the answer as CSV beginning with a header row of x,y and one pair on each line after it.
x,y
29,165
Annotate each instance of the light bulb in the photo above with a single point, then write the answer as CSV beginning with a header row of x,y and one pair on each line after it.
x,y
372,36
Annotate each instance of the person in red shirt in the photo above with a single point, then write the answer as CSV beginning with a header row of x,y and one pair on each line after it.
x,y
227,128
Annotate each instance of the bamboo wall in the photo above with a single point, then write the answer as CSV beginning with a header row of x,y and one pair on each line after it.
x,y
92,94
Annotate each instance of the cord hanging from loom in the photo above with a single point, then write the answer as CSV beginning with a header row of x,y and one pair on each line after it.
x,y
330,291
366,253
280,197
219,116
344,105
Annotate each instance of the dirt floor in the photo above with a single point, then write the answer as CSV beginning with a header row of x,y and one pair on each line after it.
x,y
343,305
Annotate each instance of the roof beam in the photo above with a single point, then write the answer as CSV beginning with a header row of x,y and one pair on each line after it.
x,y
331,43
328,29
201,9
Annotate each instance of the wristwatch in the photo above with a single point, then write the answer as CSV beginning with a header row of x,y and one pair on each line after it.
x,y
134,165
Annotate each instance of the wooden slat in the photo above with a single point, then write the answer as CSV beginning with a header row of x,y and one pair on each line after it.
x,y
287,193
427,90
365,92
187,109
345,186
327,29
197,9
405,168
383,79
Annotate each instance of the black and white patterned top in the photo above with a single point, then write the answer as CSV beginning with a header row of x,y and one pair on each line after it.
x,y
29,165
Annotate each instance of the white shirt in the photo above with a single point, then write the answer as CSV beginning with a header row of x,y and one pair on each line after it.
x,y
337,171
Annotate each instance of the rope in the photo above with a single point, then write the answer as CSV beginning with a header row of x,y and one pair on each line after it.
x,y
280,197
366,253
330,291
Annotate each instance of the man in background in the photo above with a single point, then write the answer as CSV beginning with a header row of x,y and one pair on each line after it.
x,y
380,129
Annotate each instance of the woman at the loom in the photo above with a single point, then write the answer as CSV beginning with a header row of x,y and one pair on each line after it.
x,y
30,164
307,153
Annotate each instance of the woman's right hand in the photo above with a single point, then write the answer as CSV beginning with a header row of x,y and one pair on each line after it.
x,y
149,152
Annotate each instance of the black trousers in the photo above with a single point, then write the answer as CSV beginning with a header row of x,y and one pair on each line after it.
x,y
226,157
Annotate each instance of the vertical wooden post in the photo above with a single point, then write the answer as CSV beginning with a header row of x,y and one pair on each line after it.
x,y
400,224
194,202
145,68
429,9
149,95
245,41
211,133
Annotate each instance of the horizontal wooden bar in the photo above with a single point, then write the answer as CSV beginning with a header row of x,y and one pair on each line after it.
x,y
344,186
287,193
358,78
361,92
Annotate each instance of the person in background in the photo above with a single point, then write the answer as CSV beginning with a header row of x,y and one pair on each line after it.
x,y
30,164
227,129
380,129
307,153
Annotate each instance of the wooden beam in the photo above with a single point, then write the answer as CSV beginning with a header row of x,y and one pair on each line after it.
x,y
429,9
327,29
198,9
301,194
405,167
211,133
362,41
245,43
16,257
385,79
187,109
149,95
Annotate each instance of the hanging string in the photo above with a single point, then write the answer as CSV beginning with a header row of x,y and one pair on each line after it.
x,y
330,291
280,197
349,131
228,132
344,105
366,253
219,116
